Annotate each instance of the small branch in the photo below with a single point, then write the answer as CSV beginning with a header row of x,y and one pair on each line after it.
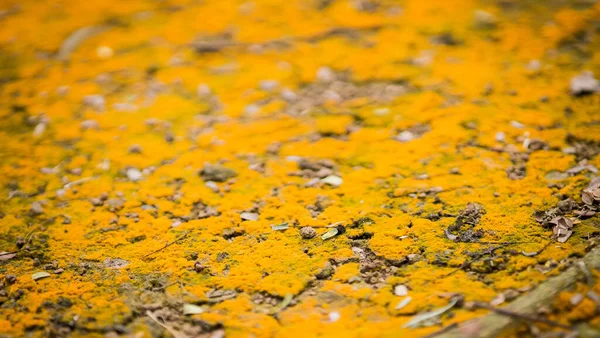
x,y
172,331
168,244
521,316
85,179
441,331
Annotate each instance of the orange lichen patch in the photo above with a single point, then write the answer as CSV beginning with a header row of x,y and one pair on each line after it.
x,y
380,125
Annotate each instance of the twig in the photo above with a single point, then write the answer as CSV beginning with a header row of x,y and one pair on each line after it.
x,y
541,250
477,257
521,316
168,244
443,330
165,286
70,44
7,253
172,331
494,323
85,179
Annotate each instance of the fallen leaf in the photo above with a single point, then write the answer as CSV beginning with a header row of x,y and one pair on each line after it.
x,y
39,275
403,303
249,216
329,234
280,227
191,309
418,319
5,256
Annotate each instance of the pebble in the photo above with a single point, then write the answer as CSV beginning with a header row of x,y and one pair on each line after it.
x,y
39,130
124,107
308,232
251,109
333,180
203,90
89,124
484,19
288,95
576,299
584,83
325,74
36,208
405,136
517,124
249,216
115,263
134,174
10,279
135,149
212,186
97,102
104,52
268,85
334,316
400,290
500,136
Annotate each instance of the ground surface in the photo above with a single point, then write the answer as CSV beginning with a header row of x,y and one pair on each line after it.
x,y
162,156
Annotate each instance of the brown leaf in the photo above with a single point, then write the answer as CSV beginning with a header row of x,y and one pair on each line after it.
x,y
5,256
587,197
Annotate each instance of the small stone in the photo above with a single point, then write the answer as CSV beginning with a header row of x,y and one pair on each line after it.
x,y
308,232
517,124
400,290
584,83
252,109
405,136
268,85
10,279
39,130
334,316
484,19
89,124
534,66
326,272
576,299
454,171
175,224
500,136
511,294
199,267
115,263
104,52
134,174
216,173
59,271
36,209
212,186
499,299
135,149
288,95
333,180
124,107
325,74
413,258
203,90
249,216
97,102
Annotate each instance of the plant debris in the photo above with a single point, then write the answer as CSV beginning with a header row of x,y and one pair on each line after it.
x,y
40,275
424,317
280,227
